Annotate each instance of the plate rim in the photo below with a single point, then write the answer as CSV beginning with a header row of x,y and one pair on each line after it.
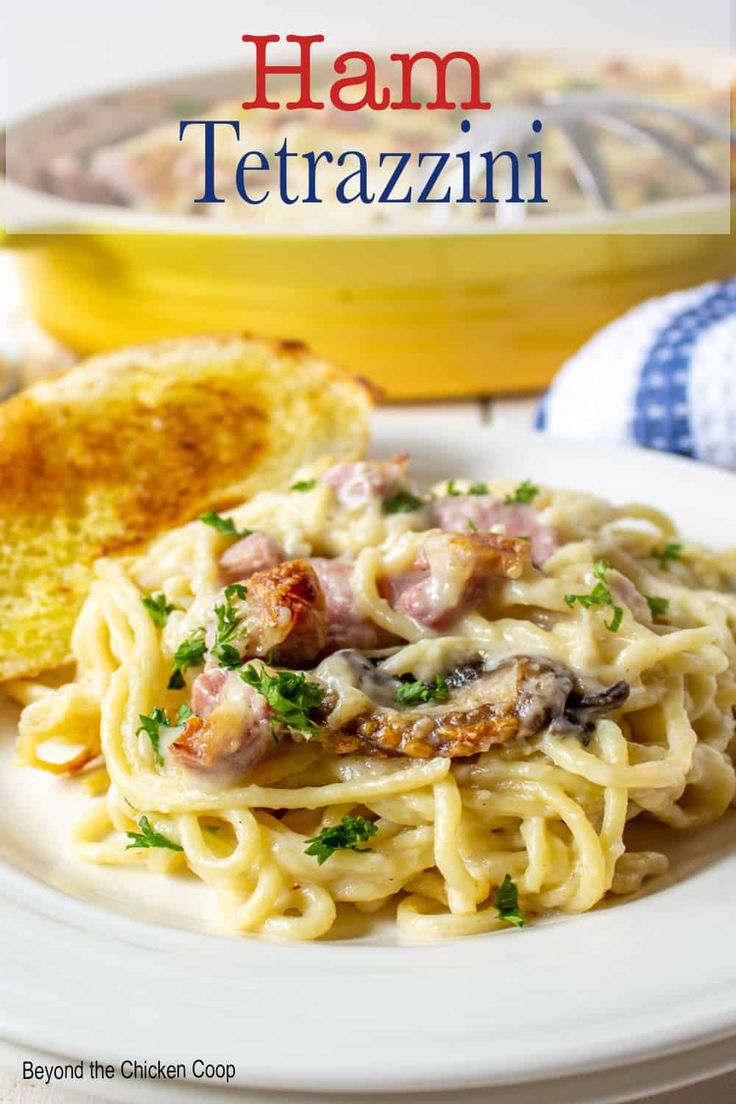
x,y
711,1019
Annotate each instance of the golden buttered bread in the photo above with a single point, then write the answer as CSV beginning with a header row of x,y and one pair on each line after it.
x,y
123,446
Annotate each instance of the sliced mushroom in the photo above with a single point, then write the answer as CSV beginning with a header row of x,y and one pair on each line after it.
x,y
518,697
583,708
233,728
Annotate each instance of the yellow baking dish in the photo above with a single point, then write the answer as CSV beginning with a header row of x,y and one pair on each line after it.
x,y
423,314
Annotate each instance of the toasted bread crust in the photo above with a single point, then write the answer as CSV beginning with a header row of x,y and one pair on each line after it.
x,y
107,455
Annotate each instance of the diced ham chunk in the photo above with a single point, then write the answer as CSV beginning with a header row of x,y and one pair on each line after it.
x,y
624,590
347,627
300,610
256,552
230,729
455,512
284,615
207,689
452,572
357,484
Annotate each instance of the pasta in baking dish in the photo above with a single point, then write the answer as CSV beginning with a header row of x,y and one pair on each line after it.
x,y
354,693
314,157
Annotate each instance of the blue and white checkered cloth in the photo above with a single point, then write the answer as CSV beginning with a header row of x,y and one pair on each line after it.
x,y
662,376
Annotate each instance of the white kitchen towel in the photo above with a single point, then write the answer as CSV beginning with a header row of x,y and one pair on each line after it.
x,y
662,376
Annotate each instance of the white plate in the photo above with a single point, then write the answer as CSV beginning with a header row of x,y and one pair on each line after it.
x,y
92,967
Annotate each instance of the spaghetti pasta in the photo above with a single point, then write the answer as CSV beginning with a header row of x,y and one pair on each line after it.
x,y
620,657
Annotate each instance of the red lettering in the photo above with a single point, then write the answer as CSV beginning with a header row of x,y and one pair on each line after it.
x,y
441,64
367,78
303,70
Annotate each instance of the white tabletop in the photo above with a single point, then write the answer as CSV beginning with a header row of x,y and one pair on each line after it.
x,y
505,413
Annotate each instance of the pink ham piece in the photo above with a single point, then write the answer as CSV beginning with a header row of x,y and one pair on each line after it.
x,y
282,614
207,689
256,552
456,513
358,484
300,610
230,729
625,592
346,626
452,572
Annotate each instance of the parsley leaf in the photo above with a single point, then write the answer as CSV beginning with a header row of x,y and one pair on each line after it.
x,y
473,489
507,903
148,837
615,623
151,726
158,608
600,595
190,653
229,656
223,524
229,626
157,720
471,525
658,606
342,837
410,693
303,485
290,696
670,551
403,502
526,492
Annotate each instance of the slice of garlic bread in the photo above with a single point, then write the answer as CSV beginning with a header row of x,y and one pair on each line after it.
x,y
122,446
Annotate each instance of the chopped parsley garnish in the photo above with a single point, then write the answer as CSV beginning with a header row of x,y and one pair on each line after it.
x,y
507,903
223,524
229,626
345,836
658,606
403,502
526,492
290,696
411,693
190,653
158,608
471,525
473,489
228,656
153,724
670,551
148,837
600,595
303,485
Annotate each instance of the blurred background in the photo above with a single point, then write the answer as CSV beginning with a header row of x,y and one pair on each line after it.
x,y
82,46
434,303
